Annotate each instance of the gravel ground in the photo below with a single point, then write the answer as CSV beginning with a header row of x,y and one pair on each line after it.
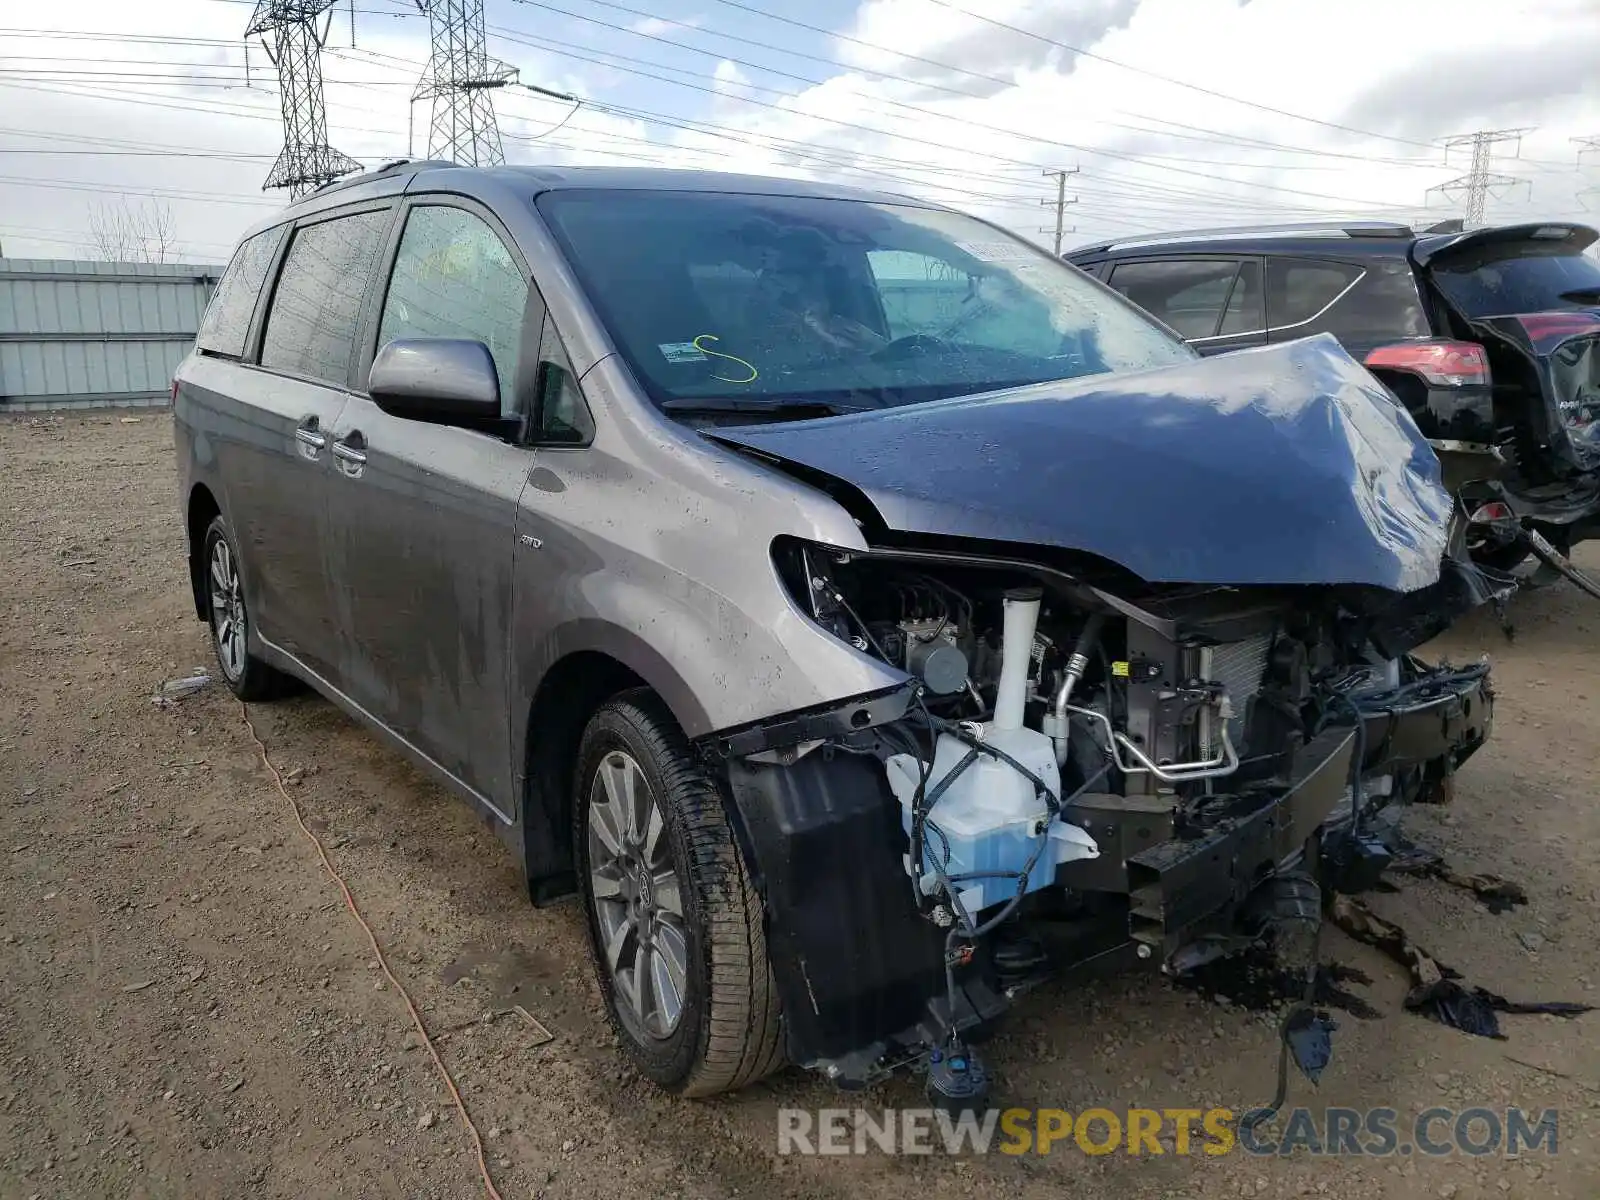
x,y
187,1009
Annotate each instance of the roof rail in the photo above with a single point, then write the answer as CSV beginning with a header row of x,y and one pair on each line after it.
x,y
1345,229
381,169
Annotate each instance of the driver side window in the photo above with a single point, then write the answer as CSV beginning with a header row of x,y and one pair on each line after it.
x,y
454,278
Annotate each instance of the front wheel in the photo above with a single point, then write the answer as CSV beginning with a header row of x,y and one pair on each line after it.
x,y
675,924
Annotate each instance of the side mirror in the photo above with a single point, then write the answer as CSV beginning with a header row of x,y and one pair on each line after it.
x,y
448,381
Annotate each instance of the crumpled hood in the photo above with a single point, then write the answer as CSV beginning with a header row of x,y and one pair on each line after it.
x,y
1287,464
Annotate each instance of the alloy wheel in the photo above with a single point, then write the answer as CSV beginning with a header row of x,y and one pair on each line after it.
x,y
637,897
227,609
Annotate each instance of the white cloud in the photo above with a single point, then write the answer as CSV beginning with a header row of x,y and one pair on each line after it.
x,y
656,27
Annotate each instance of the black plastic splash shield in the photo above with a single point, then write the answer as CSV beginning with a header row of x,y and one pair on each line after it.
x,y
1284,465
860,972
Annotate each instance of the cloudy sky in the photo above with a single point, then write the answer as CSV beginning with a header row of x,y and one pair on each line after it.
x,y
1173,113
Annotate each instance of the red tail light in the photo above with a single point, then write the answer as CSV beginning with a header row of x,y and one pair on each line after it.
x,y
1490,513
1445,364
1559,324
174,391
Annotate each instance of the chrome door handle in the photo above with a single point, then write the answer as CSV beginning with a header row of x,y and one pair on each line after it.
x,y
348,453
310,437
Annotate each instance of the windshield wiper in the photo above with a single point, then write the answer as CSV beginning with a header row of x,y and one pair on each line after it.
x,y
1584,295
741,404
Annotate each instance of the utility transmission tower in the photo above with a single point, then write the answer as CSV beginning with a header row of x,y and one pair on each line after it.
x,y
1479,180
1589,197
459,78
1060,204
288,30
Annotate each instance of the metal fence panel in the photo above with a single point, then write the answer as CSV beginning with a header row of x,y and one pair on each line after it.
x,y
80,334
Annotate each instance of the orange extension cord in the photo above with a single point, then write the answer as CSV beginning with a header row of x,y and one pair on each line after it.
x,y
383,961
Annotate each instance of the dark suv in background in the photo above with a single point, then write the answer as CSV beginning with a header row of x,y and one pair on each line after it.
x,y
1491,338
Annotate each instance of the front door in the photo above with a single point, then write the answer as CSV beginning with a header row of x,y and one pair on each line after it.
x,y
423,517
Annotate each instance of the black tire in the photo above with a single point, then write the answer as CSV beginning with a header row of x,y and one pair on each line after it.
x,y
1501,557
246,675
727,1033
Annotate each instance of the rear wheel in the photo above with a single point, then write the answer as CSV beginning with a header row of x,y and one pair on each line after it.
x,y
675,924
246,675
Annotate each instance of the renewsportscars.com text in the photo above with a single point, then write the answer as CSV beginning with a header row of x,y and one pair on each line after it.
x,y
1373,1132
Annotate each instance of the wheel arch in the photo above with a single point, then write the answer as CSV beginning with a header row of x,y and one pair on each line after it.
x,y
568,695
202,508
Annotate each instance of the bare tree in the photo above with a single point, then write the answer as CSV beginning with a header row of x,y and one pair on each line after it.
x,y
124,232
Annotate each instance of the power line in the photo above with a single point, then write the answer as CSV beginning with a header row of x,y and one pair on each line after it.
x,y
926,113
98,140
1218,135
873,165
575,52
1193,87
863,163
117,188
1479,180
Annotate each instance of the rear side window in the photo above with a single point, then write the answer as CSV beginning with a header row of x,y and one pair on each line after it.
x,y
1299,289
227,319
1521,281
311,329
1188,294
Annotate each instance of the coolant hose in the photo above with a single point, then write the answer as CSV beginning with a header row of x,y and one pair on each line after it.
x,y
1077,664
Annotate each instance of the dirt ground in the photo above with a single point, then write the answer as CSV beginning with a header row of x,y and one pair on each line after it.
x,y
187,1009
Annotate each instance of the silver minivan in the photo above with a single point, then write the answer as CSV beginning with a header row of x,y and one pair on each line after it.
x,y
865,613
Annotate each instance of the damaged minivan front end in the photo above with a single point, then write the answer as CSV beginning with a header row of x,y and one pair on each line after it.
x,y
1155,636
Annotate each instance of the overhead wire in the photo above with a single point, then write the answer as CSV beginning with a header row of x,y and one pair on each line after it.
x,y
1197,132
1220,138
574,51
1148,74
1125,193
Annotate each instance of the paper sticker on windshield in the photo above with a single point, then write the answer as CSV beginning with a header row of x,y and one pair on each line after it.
x,y
681,352
999,251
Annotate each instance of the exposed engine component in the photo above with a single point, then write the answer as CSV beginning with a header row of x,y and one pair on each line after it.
x,y
933,655
982,817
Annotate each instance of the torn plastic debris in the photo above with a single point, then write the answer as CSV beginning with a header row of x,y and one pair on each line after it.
x,y
1498,895
175,691
1309,1035
1437,990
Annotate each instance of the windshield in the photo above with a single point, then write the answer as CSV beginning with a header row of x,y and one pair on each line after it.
x,y
721,297
1520,281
